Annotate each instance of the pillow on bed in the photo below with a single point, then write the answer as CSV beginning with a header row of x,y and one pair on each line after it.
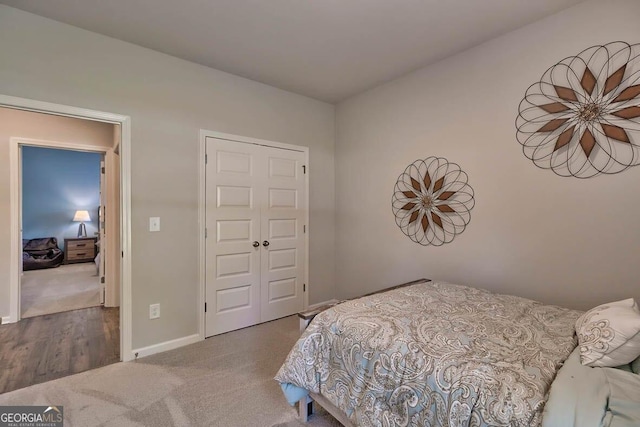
x,y
609,334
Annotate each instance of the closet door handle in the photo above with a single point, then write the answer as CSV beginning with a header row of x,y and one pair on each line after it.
x,y
256,244
265,243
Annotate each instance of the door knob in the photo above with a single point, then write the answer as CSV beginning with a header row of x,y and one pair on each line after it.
x,y
265,243
256,244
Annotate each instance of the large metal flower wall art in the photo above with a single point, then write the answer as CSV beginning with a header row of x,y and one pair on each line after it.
x,y
583,117
432,201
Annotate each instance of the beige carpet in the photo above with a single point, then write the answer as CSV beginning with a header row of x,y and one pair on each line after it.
x,y
64,288
225,380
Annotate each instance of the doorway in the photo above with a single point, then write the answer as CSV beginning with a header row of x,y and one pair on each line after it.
x,y
56,191
79,137
121,169
62,229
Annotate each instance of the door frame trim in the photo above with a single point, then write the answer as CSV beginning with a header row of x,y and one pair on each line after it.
x,y
125,205
204,134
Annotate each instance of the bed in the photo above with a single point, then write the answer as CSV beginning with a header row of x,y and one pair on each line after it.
x,y
440,354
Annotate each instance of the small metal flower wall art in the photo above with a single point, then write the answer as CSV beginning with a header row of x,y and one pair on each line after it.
x,y
432,201
583,117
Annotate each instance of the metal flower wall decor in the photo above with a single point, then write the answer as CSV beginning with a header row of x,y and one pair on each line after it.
x,y
432,201
583,117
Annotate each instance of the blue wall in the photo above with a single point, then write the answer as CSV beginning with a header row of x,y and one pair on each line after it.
x,y
56,183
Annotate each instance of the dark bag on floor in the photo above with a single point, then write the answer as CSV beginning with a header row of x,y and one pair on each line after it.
x,y
41,253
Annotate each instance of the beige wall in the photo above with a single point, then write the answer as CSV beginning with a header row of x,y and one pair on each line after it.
x,y
532,233
169,101
17,123
47,127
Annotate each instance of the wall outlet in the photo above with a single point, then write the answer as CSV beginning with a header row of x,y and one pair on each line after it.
x,y
154,223
154,311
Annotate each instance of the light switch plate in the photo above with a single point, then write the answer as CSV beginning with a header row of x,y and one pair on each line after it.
x,y
154,311
154,223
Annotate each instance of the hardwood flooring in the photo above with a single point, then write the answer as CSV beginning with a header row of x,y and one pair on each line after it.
x,y
44,348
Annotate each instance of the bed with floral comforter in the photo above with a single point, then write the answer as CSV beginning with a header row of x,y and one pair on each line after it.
x,y
434,354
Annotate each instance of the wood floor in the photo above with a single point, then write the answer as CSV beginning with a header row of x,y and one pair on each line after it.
x,y
44,348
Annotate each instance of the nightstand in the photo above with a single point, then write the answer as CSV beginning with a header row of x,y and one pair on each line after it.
x,y
80,249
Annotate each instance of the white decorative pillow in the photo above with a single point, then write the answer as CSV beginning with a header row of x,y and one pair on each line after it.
x,y
609,334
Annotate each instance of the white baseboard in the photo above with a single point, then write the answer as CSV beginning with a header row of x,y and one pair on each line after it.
x,y
319,304
164,346
6,320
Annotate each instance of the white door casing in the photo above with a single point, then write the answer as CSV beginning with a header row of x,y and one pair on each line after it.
x,y
255,213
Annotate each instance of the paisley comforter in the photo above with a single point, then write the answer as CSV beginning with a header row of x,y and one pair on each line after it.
x,y
434,354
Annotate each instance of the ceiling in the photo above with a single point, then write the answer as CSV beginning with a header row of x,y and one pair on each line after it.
x,y
324,49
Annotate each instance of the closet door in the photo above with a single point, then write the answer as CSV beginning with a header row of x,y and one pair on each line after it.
x,y
282,227
234,182
255,246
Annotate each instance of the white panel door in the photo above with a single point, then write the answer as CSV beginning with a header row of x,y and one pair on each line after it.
x,y
255,247
233,186
282,227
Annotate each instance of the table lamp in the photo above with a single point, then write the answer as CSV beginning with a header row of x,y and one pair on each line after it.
x,y
82,216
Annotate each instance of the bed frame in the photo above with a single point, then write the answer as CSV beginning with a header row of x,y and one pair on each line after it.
x,y
305,405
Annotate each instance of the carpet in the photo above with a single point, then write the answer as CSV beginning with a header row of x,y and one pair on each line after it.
x,y
226,380
54,290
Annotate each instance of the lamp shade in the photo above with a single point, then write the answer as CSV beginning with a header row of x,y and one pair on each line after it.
x,y
82,216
